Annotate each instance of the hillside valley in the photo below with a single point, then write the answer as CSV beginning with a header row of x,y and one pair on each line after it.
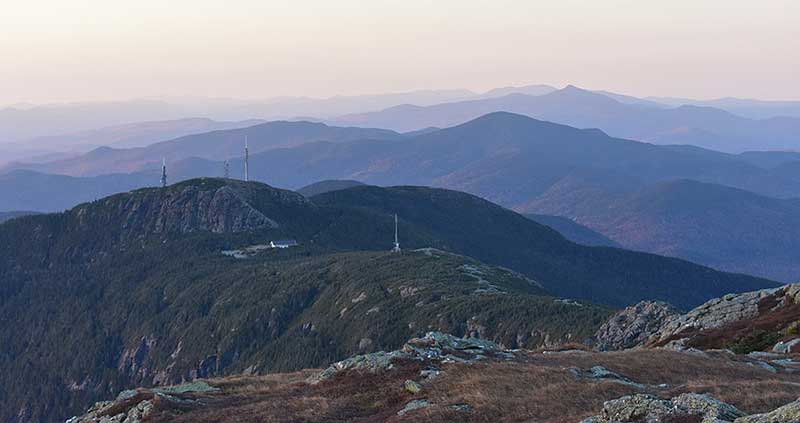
x,y
722,227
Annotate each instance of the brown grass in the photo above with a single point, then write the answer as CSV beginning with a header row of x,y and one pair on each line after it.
x,y
535,388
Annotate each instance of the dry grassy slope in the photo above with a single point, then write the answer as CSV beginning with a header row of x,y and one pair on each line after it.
x,y
532,387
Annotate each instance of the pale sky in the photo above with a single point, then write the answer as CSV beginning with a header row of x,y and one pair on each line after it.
x,y
88,50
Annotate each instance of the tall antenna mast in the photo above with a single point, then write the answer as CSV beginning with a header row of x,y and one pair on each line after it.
x,y
396,248
163,172
227,169
246,160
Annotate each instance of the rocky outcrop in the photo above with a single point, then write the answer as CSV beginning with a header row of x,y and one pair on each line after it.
x,y
689,407
134,406
199,205
633,325
433,347
751,321
789,413
716,313
649,409
188,208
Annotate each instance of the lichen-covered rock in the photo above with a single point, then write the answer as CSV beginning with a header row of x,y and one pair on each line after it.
x,y
599,373
412,386
789,413
715,313
414,405
633,408
434,346
372,362
633,325
134,405
712,409
649,409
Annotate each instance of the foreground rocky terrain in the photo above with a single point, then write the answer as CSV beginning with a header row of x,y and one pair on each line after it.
x,y
733,359
439,377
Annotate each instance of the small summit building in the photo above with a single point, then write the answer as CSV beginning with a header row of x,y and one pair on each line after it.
x,y
284,243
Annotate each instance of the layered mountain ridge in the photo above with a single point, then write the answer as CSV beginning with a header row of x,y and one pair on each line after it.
x,y
528,165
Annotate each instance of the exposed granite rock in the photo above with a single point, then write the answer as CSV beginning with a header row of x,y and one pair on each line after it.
x,y
198,205
712,409
789,413
649,409
632,408
434,347
134,405
414,405
715,313
599,373
412,386
633,325
464,408
658,324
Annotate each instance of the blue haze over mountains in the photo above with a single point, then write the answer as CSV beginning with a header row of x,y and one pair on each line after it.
x,y
704,195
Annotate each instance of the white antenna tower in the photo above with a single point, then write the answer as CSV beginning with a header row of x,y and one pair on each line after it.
x,y
163,172
396,248
246,160
227,169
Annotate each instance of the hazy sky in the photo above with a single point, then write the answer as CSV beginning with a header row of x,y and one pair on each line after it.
x,y
80,50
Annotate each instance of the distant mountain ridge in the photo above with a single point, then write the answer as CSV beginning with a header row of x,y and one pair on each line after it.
x,y
521,163
132,135
22,122
723,227
215,145
322,187
686,124
752,108
573,231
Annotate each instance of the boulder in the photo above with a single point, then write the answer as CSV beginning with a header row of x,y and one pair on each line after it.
x,y
412,386
633,325
633,408
414,405
134,405
599,373
649,409
789,413
712,409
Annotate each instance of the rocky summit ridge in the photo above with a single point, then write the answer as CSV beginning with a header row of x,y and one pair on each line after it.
x,y
193,206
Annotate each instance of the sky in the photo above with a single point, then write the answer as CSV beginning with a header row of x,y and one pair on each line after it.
x,y
98,50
